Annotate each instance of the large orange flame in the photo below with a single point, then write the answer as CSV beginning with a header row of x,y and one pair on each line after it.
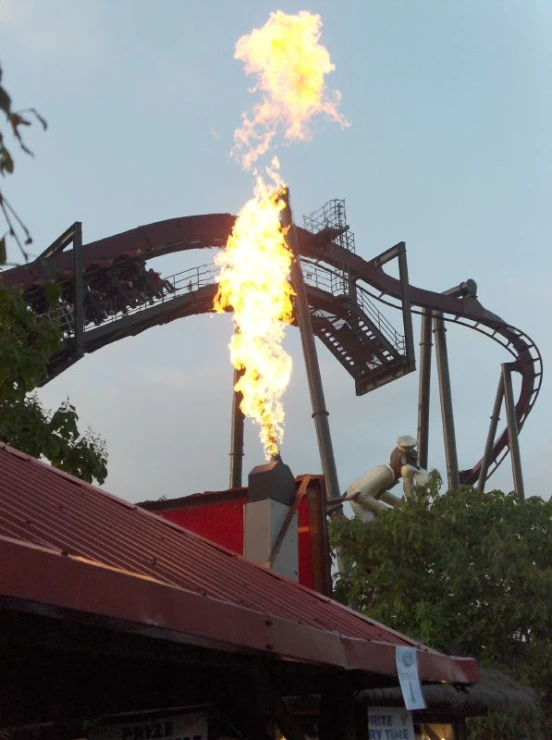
x,y
290,65
254,282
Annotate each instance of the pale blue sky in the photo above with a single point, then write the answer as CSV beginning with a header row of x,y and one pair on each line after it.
x,y
449,150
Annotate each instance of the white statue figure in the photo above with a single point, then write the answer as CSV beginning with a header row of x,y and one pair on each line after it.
x,y
370,495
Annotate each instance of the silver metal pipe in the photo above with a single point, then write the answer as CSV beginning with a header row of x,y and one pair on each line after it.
x,y
303,317
513,438
441,355
495,418
424,392
236,448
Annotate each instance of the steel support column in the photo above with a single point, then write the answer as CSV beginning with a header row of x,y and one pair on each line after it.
x,y
495,418
236,449
78,296
441,355
406,307
424,392
513,438
303,317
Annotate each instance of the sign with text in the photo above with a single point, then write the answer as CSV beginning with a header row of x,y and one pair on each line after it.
x,y
406,659
191,726
389,723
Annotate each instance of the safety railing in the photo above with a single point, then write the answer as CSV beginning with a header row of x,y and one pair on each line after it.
x,y
336,282
180,283
187,281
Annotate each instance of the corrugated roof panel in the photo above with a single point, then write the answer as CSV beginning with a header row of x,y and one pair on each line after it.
x,y
44,506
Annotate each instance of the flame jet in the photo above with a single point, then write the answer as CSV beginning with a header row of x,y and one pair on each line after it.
x,y
254,282
289,64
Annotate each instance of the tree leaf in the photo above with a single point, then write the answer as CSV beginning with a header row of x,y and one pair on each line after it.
x,y
6,160
43,122
5,101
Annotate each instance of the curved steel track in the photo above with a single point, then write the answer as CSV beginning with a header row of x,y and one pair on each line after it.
x,y
198,232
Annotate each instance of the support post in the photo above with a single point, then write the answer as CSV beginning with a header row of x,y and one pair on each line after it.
x,y
513,438
236,448
406,308
338,711
441,355
424,392
495,418
303,317
78,276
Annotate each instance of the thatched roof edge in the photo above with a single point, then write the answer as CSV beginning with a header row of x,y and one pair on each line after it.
x,y
494,692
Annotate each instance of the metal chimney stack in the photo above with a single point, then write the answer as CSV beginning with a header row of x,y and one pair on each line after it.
x,y
270,531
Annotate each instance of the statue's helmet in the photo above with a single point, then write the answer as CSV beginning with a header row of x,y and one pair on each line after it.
x,y
405,442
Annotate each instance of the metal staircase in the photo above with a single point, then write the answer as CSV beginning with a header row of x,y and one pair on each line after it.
x,y
358,334
361,348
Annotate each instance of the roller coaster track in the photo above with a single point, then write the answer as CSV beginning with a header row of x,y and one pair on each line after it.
x,y
353,329
466,311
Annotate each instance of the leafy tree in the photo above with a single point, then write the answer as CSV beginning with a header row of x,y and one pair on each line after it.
x,y
15,120
26,344
465,572
27,341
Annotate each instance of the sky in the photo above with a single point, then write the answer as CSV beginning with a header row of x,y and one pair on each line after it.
x,y
449,150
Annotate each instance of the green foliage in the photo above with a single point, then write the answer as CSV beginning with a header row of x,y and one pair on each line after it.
x,y
465,572
26,344
16,121
517,724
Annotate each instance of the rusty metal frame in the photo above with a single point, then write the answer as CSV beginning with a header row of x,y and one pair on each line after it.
x,y
303,317
398,252
236,434
447,411
513,437
495,418
197,232
424,392
504,393
71,236
78,296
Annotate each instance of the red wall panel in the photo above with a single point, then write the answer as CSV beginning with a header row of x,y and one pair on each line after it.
x,y
222,522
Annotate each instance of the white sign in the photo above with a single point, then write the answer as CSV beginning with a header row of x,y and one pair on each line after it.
x,y
407,670
389,723
191,726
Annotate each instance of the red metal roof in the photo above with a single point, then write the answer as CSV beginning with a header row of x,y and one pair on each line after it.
x,y
57,532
